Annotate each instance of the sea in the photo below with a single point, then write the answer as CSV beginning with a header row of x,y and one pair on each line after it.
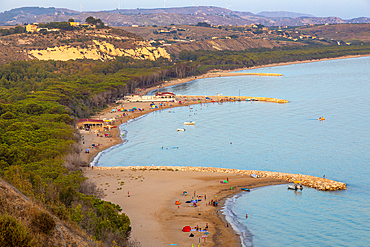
x,y
273,137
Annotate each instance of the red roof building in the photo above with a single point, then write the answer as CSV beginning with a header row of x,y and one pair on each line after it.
x,y
90,124
165,94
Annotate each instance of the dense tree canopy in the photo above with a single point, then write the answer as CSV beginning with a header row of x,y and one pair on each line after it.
x,y
93,21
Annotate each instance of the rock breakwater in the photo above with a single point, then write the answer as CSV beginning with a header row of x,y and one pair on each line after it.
x,y
306,180
218,98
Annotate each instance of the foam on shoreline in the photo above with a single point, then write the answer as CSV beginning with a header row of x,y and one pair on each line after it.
x,y
246,237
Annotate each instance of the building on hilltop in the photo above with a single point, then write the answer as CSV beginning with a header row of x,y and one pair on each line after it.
x,y
88,25
45,29
31,28
74,23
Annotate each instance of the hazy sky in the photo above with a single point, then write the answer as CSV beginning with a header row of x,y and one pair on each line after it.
x,y
339,8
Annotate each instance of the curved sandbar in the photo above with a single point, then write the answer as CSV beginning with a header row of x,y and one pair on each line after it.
x,y
306,180
255,74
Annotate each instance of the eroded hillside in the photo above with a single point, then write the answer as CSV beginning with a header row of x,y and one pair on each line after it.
x,y
97,44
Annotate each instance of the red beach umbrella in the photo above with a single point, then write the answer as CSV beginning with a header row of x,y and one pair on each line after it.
x,y
186,229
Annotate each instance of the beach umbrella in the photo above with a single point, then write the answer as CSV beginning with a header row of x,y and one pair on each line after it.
x,y
186,229
206,233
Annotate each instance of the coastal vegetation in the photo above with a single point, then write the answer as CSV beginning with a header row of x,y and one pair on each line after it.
x,y
40,101
12,30
210,60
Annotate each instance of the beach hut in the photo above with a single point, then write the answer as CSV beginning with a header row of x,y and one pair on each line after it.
x,y
90,124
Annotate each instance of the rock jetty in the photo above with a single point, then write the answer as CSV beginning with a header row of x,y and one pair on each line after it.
x,y
306,180
218,98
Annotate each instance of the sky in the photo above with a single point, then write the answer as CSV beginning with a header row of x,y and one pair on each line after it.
x,y
345,9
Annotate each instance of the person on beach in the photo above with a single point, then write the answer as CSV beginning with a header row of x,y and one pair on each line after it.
x,y
128,193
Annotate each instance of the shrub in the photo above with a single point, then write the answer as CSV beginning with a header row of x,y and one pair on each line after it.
x,y
90,188
43,222
13,233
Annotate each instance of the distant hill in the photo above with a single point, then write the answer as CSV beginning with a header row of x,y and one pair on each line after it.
x,y
166,16
283,14
191,10
347,32
359,20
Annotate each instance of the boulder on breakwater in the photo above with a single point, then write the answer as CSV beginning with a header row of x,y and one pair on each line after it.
x,y
306,180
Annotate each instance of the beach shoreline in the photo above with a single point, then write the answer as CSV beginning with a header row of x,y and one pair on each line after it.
x,y
223,233
164,185
148,197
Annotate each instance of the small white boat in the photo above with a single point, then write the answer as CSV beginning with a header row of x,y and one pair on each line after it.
x,y
181,129
189,123
295,187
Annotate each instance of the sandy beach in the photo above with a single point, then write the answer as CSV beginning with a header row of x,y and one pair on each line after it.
x,y
155,219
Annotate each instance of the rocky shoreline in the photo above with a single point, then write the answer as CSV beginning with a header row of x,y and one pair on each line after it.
x,y
306,180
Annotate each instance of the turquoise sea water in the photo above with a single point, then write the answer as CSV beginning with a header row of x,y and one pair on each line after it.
x,y
274,137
